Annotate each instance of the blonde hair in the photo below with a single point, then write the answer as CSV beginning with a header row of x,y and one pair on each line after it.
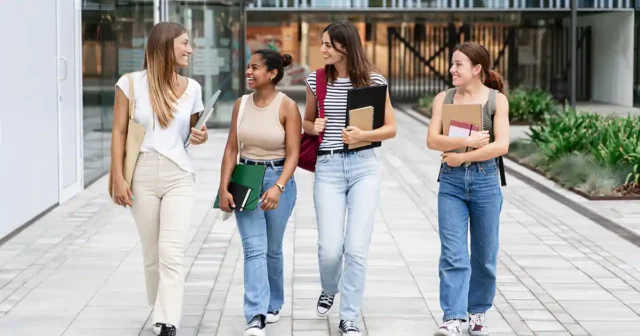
x,y
160,63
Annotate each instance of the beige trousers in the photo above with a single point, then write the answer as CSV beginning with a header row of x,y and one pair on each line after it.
x,y
162,206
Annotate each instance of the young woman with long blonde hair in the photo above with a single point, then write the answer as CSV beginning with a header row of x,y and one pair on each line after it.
x,y
161,195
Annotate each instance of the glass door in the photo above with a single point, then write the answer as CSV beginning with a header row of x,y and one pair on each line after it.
x,y
214,29
113,37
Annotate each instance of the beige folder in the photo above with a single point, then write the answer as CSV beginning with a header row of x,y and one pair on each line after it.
x,y
361,118
468,113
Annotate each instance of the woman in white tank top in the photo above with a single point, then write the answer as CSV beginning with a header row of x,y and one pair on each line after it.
x,y
269,134
161,193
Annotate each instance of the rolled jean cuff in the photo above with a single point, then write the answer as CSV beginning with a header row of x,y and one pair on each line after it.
x,y
477,312
455,317
348,318
328,292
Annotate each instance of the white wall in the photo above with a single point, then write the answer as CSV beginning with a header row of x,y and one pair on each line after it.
x,y
28,111
612,62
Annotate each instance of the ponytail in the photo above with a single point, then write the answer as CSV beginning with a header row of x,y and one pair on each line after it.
x,y
495,81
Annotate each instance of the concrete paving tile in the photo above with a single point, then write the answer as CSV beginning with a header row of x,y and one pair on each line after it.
x,y
599,311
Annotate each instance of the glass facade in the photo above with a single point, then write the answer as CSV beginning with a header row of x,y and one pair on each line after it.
x,y
114,33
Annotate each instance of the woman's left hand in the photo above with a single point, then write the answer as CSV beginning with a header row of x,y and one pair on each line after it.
x,y
351,135
452,159
199,137
270,198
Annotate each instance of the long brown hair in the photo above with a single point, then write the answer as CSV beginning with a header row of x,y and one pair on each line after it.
x,y
358,66
160,63
478,54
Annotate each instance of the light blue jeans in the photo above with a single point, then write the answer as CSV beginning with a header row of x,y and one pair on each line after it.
x,y
470,198
262,233
349,181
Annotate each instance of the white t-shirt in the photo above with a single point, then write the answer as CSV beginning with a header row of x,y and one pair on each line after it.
x,y
168,141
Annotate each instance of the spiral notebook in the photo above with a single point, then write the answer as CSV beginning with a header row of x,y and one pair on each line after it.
x,y
361,118
459,120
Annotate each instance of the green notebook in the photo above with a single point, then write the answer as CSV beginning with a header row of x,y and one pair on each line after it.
x,y
250,176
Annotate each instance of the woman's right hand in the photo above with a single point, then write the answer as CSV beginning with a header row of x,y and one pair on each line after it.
x,y
478,139
226,201
319,125
122,194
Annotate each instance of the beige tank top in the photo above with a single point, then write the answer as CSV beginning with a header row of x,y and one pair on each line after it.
x,y
261,133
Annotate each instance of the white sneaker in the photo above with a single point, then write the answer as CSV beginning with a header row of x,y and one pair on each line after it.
x,y
157,328
256,327
449,328
477,325
273,317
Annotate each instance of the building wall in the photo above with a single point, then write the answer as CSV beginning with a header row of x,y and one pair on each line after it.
x,y
29,116
612,62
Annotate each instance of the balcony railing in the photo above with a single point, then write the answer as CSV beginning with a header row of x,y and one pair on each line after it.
x,y
442,4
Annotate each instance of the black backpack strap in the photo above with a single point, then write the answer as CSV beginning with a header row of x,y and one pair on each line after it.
x,y
492,108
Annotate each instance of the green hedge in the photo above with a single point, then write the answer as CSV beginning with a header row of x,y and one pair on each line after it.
x,y
587,151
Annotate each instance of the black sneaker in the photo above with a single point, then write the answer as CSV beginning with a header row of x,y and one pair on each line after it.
x,y
349,328
273,317
325,302
167,330
256,326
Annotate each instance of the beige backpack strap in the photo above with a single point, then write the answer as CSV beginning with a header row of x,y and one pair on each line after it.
x,y
243,102
132,97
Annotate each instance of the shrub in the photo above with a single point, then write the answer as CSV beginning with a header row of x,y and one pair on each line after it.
x,y
634,177
586,151
530,105
564,133
426,102
573,170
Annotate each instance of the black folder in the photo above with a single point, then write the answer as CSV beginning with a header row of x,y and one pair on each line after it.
x,y
374,96
240,194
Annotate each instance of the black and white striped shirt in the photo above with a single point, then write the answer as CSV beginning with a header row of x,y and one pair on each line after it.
x,y
335,107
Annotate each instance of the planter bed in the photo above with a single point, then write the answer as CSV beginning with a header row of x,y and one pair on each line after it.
x,y
572,189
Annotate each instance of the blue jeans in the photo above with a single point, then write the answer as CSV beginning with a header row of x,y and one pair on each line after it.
x,y
345,181
470,198
262,233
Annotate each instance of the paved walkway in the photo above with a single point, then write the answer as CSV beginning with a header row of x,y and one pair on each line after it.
x,y
78,270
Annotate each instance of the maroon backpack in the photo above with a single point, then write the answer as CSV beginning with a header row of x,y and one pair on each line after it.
x,y
310,144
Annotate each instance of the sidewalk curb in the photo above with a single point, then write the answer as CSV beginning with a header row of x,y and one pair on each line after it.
x,y
511,168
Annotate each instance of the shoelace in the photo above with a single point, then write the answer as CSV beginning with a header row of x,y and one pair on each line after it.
x,y
349,326
326,300
477,319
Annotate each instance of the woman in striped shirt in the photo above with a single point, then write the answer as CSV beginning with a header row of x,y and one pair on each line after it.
x,y
344,180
